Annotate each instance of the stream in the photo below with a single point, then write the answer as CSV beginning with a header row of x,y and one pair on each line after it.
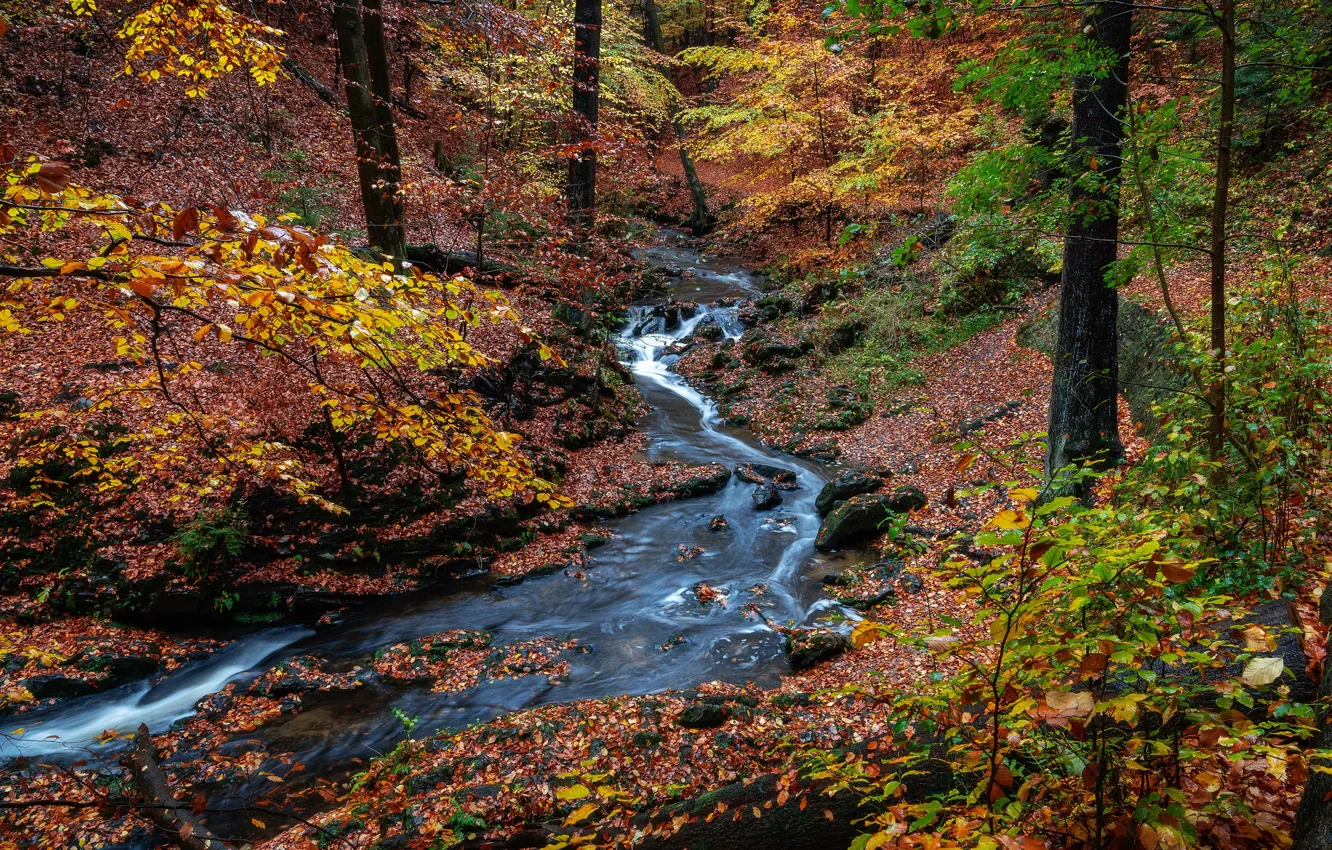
x,y
635,595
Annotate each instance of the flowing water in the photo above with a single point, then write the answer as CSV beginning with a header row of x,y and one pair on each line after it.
x,y
634,596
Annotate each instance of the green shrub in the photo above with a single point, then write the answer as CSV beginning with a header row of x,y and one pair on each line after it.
x,y
211,539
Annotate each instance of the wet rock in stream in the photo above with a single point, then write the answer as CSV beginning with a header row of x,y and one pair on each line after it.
x,y
766,497
806,648
762,473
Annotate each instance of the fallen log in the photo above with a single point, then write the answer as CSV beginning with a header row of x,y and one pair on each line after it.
x,y
175,818
323,92
432,258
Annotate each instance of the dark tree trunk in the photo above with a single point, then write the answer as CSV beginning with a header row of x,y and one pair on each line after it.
x,y
1217,392
652,26
701,221
364,62
586,85
174,818
1313,820
1084,420
311,81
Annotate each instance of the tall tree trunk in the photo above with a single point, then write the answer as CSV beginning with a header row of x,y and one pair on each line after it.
x,y
1216,431
364,62
586,85
652,27
1084,420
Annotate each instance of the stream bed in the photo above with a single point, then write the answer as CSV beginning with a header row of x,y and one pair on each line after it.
x,y
634,597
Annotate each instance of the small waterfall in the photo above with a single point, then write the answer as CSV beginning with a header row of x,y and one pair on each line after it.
x,y
646,343
123,709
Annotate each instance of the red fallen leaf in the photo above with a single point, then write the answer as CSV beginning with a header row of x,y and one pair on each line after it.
x,y
53,177
187,220
198,804
8,153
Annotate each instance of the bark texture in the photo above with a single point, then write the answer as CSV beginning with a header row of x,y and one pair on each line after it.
x,y
364,60
1084,421
586,96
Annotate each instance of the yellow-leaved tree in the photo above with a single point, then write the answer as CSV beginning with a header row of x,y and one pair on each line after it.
x,y
230,339
195,41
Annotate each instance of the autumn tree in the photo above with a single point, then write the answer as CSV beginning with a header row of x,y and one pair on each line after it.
x,y
377,353
582,192
364,61
1084,414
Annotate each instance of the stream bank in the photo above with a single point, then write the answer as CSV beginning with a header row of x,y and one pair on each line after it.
x,y
659,606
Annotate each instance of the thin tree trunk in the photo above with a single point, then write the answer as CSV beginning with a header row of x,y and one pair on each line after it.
x,y
701,221
1084,420
1216,430
586,84
365,71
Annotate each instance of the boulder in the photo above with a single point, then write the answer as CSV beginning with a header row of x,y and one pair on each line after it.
x,y
762,473
55,686
120,667
848,484
806,648
907,498
861,517
766,497
703,715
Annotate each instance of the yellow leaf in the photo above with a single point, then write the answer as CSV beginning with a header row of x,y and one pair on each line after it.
x,y
1010,519
1256,640
1023,494
580,814
864,634
938,643
1069,703
1262,671
877,840
573,792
